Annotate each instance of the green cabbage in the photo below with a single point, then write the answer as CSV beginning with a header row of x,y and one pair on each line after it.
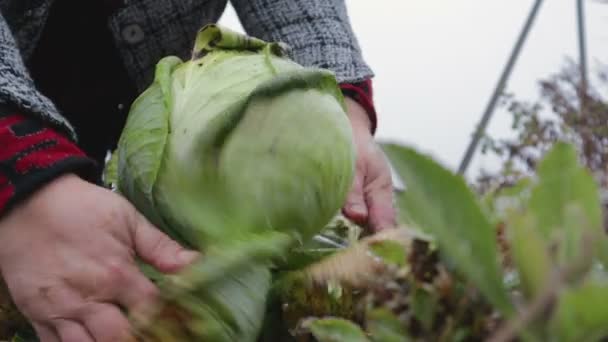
x,y
241,153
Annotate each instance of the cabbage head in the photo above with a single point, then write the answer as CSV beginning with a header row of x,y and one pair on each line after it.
x,y
242,125
239,152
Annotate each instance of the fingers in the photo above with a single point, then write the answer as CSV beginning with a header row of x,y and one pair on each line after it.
x,y
120,282
379,195
138,295
79,319
44,333
157,249
106,323
70,331
380,201
94,322
355,208
82,312
370,201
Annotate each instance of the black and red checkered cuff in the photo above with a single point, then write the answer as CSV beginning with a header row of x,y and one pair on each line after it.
x,y
362,93
32,155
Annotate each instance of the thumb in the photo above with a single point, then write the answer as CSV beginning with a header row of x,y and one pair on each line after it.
x,y
382,213
355,207
157,249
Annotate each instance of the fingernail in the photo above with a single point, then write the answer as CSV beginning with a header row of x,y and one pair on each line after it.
x,y
357,208
186,256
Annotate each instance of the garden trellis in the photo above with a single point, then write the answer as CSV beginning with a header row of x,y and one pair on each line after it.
x,y
508,69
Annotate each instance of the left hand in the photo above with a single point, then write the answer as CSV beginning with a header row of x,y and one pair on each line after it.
x,y
370,201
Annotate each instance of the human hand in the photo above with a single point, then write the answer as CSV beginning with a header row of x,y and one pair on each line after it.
x,y
370,201
68,259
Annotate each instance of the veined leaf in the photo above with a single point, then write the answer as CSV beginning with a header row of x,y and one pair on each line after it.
x,y
530,254
581,314
139,154
223,294
563,183
441,203
383,326
336,330
391,252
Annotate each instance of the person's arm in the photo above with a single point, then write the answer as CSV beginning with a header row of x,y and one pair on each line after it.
x,y
320,35
68,246
362,94
17,89
37,143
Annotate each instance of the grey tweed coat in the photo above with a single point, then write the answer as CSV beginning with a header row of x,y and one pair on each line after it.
x,y
318,31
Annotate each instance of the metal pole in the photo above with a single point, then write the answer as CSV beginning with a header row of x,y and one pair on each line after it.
x,y
582,48
499,88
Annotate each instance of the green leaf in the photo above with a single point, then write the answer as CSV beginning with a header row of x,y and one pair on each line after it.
x,y
563,183
336,330
578,242
383,326
225,292
232,255
423,307
441,203
581,314
530,254
237,302
141,147
228,309
391,252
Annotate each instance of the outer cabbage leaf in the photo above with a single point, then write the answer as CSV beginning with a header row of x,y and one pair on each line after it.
x,y
142,144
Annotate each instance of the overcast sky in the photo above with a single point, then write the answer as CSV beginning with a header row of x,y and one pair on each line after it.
x,y
437,62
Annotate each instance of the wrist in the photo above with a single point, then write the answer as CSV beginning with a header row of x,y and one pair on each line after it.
x,y
359,119
361,93
32,156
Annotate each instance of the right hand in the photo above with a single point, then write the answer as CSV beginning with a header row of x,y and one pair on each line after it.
x,y
68,259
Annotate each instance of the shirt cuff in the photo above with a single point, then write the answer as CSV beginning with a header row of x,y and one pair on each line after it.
x,y
362,93
33,154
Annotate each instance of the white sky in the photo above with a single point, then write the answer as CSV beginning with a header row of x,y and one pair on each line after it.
x,y
437,62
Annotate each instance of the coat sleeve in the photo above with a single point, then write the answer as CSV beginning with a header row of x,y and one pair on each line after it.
x,y
17,89
36,143
319,33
